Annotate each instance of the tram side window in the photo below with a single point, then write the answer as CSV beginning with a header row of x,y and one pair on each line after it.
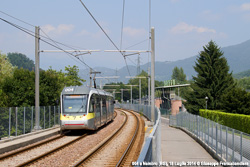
x,y
104,104
107,104
98,104
92,104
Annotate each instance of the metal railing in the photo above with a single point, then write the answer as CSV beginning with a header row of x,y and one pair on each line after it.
x,y
15,121
151,151
228,144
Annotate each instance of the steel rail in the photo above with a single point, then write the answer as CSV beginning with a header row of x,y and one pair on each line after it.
x,y
51,151
90,154
131,142
27,148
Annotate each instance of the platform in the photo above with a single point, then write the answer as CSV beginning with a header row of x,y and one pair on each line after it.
x,y
178,147
12,143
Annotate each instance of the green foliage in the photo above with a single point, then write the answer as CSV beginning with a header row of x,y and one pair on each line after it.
x,y
235,121
179,75
71,76
21,61
51,85
213,80
242,74
144,85
236,100
6,69
244,83
134,81
19,88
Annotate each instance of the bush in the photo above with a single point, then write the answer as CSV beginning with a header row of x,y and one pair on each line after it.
x,y
236,121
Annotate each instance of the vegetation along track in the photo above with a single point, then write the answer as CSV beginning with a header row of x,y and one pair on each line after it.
x,y
116,150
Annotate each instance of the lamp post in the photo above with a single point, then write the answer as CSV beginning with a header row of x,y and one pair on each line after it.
x,y
206,98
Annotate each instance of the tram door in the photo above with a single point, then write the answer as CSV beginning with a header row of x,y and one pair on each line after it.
x,y
98,112
104,112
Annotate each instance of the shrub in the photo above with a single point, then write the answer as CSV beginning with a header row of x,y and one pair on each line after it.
x,y
236,121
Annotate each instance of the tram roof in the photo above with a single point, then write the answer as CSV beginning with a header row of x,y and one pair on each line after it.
x,y
83,90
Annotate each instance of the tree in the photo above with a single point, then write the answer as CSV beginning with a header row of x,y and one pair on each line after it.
x,y
72,77
20,88
180,78
51,86
179,75
21,61
213,80
237,101
6,68
244,83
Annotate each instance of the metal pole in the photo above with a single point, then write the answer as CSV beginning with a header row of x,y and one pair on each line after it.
x,y
240,146
16,121
208,131
152,74
233,145
59,115
131,96
24,120
31,118
9,121
44,117
54,115
122,96
37,66
149,86
140,91
49,115
90,77
226,143
221,141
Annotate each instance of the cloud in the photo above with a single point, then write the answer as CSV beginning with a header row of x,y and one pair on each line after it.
x,y
134,32
245,7
184,28
210,16
174,1
59,30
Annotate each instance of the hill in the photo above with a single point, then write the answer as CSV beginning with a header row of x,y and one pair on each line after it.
x,y
21,61
238,58
242,74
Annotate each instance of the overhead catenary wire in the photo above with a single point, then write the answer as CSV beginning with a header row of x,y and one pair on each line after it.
x,y
28,32
105,34
17,19
46,35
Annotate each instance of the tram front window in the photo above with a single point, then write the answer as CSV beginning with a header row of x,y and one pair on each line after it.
x,y
75,103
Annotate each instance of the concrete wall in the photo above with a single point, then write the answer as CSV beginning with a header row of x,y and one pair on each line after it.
x,y
175,106
158,102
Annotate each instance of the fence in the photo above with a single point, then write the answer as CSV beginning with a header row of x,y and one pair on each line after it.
x,y
151,151
228,144
16,121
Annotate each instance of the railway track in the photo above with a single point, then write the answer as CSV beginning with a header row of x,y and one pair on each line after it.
x,y
115,151
16,157
74,148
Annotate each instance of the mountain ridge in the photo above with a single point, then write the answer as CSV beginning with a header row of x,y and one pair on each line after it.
x,y
238,58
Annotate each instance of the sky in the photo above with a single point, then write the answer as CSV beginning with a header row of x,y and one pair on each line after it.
x,y
182,28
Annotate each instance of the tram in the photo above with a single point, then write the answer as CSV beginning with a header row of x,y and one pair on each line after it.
x,y
85,108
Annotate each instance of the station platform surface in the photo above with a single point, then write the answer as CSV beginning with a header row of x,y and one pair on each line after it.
x,y
13,143
177,146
